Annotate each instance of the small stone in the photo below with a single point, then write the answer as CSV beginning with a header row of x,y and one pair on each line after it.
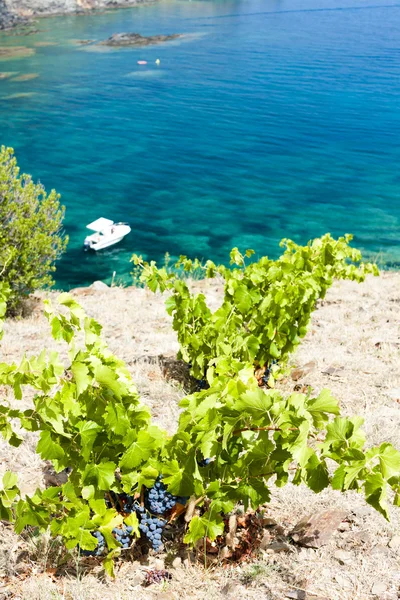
x,y
394,543
159,564
345,526
231,589
80,291
378,588
300,372
343,557
225,553
268,522
380,551
316,530
266,540
343,581
333,371
394,393
296,594
98,285
279,547
177,562
137,579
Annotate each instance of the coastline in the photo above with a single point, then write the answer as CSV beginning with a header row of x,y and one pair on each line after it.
x,y
13,15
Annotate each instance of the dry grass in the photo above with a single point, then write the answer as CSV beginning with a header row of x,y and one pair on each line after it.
x,y
356,332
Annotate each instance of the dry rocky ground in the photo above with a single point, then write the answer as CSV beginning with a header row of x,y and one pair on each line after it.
x,y
353,348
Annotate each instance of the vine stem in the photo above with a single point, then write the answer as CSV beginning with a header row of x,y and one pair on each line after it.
x,y
268,428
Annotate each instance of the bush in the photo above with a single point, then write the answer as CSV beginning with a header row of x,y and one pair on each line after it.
x,y
234,442
267,304
30,231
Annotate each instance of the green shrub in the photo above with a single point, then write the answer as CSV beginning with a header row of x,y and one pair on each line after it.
x,y
30,231
234,442
267,304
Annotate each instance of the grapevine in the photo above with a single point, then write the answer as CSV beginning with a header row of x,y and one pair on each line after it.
x,y
267,304
235,438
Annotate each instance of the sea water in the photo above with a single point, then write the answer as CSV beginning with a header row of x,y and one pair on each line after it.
x,y
267,119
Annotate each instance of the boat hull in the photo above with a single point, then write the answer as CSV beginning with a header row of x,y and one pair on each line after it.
x,y
106,238
104,244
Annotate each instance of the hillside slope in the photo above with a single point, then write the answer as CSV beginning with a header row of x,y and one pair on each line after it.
x,y
354,347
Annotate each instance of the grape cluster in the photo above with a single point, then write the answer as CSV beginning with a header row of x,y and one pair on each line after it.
x,y
202,384
157,576
124,503
267,373
204,462
151,527
101,543
159,501
123,535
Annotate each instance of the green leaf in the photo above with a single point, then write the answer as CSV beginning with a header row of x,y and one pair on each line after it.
x,y
81,375
139,451
48,448
108,562
108,378
389,460
273,350
88,432
209,525
9,480
101,475
317,474
132,521
243,299
255,402
324,403
375,493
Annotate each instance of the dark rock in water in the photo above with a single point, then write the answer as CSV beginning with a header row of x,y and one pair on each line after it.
x,y
84,42
136,40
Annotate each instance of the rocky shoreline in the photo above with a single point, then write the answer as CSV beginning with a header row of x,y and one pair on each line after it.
x,y
16,12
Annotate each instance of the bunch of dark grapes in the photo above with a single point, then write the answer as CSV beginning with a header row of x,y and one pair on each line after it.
x,y
265,377
123,535
157,576
101,544
202,384
204,462
124,503
267,372
159,501
151,527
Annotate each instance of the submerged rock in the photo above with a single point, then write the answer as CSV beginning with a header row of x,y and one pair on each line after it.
x,y
8,52
136,40
82,42
7,74
20,95
26,77
44,44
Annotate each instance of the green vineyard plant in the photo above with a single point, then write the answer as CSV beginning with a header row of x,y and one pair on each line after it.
x,y
89,420
267,304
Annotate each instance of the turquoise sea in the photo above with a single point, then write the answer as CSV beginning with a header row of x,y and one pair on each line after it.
x,y
268,119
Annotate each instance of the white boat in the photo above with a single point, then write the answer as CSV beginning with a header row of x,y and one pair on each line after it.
x,y
107,233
